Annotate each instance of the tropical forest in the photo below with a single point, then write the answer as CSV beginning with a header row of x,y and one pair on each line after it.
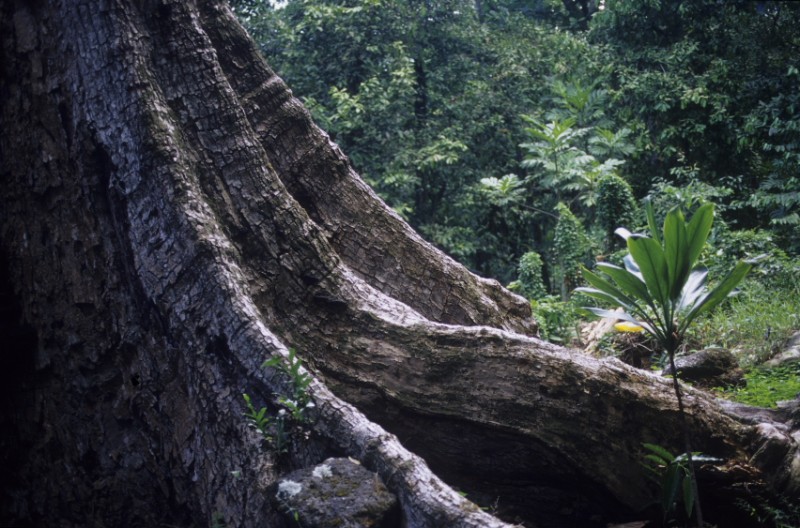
x,y
520,136
400,263
517,136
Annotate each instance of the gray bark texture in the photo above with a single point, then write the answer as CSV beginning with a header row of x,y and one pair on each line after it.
x,y
170,217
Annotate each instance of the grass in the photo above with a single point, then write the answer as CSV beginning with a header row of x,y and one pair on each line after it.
x,y
755,324
557,320
767,386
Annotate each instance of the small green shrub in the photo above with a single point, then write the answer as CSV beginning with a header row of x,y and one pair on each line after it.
x,y
530,282
572,247
615,207
292,415
257,419
558,320
767,386
300,380
755,323
673,476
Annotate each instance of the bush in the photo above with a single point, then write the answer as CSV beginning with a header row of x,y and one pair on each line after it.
x,y
572,248
775,267
756,323
529,282
615,207
558,320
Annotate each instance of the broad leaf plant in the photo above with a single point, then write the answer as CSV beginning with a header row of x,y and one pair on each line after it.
x,y
663,289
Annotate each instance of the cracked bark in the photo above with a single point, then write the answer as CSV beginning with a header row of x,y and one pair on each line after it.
x,y
171,217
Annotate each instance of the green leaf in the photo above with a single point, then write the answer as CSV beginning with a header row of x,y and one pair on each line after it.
x,y
651,221
601,295
656,460
718,294
675,252
649,256
670,485
698,230
688,496
274,362
660,451
623,299
627,281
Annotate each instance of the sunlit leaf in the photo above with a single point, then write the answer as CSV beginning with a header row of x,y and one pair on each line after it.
x,y
693,289
649,255
651,221
627,280
675,252
718,294
628,327
698,230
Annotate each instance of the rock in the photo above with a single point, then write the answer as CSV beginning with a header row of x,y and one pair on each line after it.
x,y
790,353
339,493
790,412
712,367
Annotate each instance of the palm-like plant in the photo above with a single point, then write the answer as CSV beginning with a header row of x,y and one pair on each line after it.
x,y
662,289
555,154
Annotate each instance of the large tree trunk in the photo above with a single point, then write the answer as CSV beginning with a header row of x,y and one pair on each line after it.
x,y
171,217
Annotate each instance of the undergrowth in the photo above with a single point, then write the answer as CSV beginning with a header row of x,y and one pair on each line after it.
x,y
756,323
558,320
767,386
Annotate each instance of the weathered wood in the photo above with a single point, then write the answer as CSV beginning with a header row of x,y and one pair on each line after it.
x,y
321,179
171,217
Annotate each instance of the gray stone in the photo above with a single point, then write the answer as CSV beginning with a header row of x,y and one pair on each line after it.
x,y
339,493
790,353
712,367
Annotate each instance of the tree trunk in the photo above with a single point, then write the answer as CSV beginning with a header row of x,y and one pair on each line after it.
x,y
170,217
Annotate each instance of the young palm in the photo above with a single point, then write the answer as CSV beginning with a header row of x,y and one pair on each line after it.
x,y
662,289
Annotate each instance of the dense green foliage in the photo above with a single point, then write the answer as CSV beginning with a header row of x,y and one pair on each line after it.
x,y
530,282
571,247
517,135
616,207
474,119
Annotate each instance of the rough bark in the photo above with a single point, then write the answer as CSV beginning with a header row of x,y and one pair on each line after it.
x,y
171,217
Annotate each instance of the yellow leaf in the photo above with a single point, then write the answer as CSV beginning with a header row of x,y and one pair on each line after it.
x,y
628,327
